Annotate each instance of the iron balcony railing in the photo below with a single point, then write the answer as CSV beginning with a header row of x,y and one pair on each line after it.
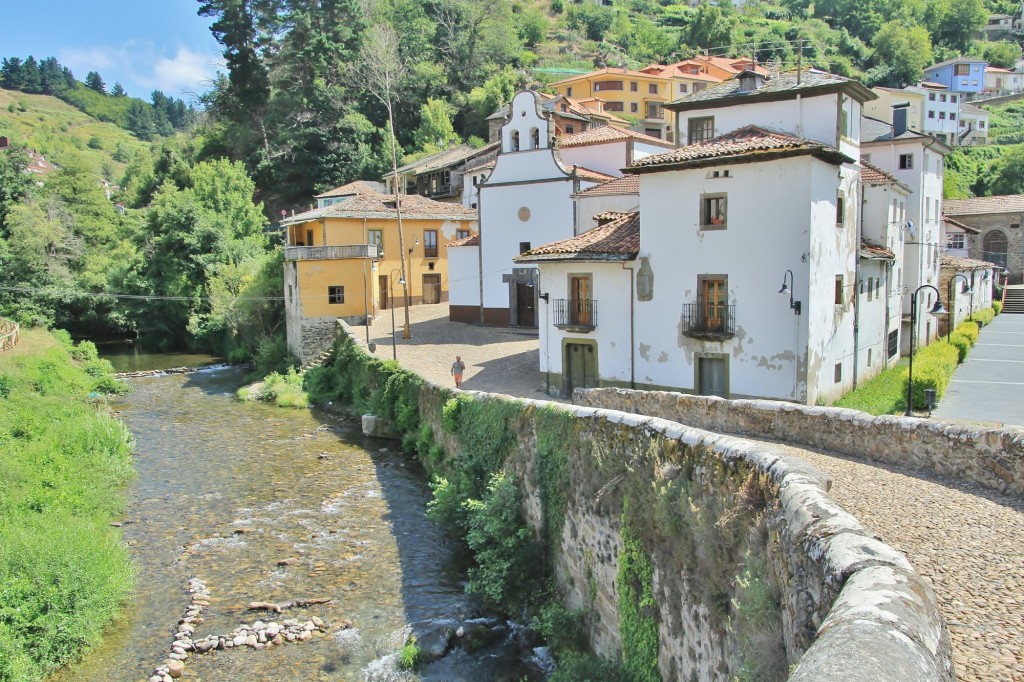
x,y
577,313
331,252
709,319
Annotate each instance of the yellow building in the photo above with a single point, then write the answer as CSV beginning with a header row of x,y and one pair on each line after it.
x,y
881,108
343,260
638,95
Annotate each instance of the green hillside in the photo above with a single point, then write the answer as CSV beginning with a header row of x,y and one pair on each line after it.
x,y
53,128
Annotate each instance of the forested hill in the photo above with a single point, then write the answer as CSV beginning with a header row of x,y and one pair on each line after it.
x,y
161,115
293,106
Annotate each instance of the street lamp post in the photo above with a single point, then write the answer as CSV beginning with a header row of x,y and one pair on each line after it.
x,y
937,310
366,305
951,297
391,281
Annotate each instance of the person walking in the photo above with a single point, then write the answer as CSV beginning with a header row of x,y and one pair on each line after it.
x,y
458,368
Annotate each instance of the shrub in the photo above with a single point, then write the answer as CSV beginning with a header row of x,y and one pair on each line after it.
x,y
997,307
284,390
564,630
983,317
933,368
961,343
969,330
507,570
581,667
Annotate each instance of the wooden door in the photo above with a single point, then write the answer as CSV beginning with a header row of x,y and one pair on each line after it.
x,y
712,376
713,297
580,367
382,285
579,295
526,305
431,288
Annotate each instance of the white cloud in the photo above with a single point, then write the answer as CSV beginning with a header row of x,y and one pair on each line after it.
x,y
140,66
187,71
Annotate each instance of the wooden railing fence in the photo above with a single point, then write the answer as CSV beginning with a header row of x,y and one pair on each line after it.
x,y
10,332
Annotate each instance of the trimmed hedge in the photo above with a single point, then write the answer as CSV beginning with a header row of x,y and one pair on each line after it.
x,y
933,368
961,343
997,306
970,330
983,317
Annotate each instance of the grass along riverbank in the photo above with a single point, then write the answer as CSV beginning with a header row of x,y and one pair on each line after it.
x,y
64,462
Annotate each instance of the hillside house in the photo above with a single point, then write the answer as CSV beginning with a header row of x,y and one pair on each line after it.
x,y
344,261
882,108
722,220
439,176
339,194
998,221
566,116
974,126
1000,81
965,75
955,236
599,204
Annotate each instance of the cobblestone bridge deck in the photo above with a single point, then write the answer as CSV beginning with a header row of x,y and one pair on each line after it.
x,y
967,541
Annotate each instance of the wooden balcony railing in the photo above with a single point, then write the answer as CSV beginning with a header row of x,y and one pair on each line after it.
x,y
575,314
331,252
10,333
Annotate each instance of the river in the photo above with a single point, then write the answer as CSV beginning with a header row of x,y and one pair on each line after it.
x,y
267,504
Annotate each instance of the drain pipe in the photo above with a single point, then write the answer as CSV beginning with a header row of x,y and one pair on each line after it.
x,y
632,326
856,282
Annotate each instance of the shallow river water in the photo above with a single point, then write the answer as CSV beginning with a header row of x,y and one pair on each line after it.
x,y
227,490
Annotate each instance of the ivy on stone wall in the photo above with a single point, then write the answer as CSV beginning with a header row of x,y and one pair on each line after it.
x,y
555,435
638,624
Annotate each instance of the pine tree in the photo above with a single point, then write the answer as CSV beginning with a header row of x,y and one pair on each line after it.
x,y
118,91
93,81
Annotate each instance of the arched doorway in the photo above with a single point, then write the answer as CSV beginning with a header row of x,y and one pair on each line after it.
x,y
993,247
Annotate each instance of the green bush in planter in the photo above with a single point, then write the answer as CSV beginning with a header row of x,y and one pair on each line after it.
x,y
997,306
933,368
961,343
969,330
983,317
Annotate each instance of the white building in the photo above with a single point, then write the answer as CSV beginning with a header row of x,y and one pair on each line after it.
x,y
1000,81
955,237
722,221
974,128
941,113
526,198
879,289
598,204
917,161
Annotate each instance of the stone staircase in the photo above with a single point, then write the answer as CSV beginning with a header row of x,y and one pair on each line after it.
x,y
1013,300
318,361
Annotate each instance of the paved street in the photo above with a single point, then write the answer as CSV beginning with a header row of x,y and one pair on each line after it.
x,y
500,360
989,385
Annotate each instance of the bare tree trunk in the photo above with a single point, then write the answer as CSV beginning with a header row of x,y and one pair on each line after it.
x,y
406,333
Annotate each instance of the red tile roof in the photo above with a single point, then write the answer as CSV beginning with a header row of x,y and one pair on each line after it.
x,y
873,175
618,240
603,134
471,240
1004,203
591,175
627,184
957,263
956,223
875,252
357,187
748,144
414,207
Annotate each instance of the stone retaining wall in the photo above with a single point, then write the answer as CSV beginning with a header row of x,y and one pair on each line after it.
x,y
847,607
990,457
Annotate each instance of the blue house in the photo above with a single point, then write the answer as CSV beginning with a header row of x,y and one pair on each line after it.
x,y
963,74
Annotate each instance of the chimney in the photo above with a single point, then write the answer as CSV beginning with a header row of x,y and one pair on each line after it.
x,y
899,118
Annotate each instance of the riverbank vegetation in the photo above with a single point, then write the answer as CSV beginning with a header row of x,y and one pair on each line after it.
x,y
471,447
934,365
64,462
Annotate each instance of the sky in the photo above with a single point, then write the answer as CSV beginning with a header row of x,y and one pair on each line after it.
x,y
145,45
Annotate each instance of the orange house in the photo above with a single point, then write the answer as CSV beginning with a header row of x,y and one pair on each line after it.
x,y
343,260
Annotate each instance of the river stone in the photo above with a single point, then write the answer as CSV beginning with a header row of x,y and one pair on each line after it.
x,y
304,635
239,640
376,427
251,640
175,668
273,629
262,637
434,643
176,656
309,626
258,625
278,640
155,678
317,621
290,623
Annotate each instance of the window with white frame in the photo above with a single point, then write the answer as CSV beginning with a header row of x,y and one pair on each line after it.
x,y
955,241
906,161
